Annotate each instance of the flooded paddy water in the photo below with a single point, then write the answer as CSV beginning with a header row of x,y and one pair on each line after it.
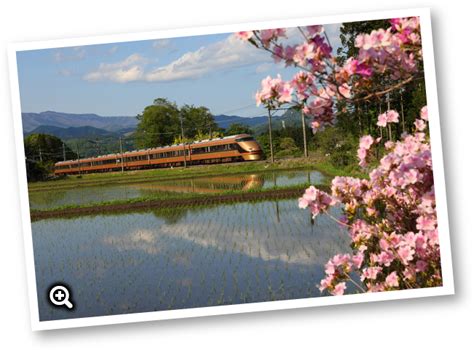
x,y
184,258
166,259
41,200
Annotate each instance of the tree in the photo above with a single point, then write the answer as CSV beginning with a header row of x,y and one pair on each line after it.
x,y
198,120
237,128
287,147
42,151
158,124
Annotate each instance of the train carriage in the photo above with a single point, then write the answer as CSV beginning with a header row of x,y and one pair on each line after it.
x,y
241,147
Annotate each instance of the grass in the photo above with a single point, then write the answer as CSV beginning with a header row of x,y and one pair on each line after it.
x,y
315,162
171,200
174,199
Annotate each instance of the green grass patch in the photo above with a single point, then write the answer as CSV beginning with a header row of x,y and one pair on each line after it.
x,y
315,162
169,196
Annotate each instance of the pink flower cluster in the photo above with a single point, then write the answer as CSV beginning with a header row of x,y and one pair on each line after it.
x,y
274,92
391,219
317,201
391,216
387,117
395,51
364,146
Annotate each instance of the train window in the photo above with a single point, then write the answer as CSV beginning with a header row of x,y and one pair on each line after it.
x,y
199,150
243,139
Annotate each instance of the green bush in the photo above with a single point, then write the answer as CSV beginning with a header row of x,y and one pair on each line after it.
x,y
340,147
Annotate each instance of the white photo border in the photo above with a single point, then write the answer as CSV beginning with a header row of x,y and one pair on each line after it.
x,y
437,154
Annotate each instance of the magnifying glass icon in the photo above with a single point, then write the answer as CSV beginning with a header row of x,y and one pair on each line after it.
x,y
59,296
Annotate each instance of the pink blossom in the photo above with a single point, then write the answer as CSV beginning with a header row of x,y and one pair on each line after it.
x,y
364,70
421,265
339,289
358,259
362,154
268,35
392,116
244,35
370,273
424,113
382,120
405,254
316,29
303,203
285,92
420,125
366,141
345,90
326,282
303,53
385,258
318,201
392,280
350,66
310,193
425,223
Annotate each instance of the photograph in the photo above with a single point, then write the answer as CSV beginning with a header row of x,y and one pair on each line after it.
x,y
263,166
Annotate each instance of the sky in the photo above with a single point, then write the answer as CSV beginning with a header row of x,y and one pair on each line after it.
x,y
217,71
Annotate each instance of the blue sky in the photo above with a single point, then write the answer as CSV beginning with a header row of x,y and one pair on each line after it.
x,y
217,71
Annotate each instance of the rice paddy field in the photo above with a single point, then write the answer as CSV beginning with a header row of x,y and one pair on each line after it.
x,y
53,198
184,258
191,256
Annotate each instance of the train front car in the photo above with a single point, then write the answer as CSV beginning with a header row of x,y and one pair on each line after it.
x,y
248,147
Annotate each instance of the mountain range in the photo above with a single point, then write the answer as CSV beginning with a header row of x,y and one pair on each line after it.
x,y
65,120
72,126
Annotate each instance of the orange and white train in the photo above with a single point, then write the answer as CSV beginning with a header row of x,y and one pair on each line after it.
x,y
241,147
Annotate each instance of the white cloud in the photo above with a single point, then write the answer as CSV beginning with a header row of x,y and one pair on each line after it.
x,y
161,44
130,69
65,72
264,67
228,53
75,54
112,50
225,54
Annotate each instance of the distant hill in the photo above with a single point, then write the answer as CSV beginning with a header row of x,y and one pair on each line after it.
x,y
289,118
31,121
260,124
65,120
73,132
224,121
69,126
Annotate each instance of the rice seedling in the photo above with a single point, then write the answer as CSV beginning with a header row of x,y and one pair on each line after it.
x,y
225,254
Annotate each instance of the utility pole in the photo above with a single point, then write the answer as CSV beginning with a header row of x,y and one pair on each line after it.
x,y
121,152
78,158
401,105
388,108
182,139
64,152
270,135
303,125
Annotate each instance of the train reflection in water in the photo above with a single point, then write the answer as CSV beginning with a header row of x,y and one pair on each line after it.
x,y
215,184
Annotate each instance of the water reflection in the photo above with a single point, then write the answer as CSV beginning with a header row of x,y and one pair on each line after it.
x,y
229,254
205,185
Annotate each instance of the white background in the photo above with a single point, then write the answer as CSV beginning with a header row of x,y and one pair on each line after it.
x,y
430,322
